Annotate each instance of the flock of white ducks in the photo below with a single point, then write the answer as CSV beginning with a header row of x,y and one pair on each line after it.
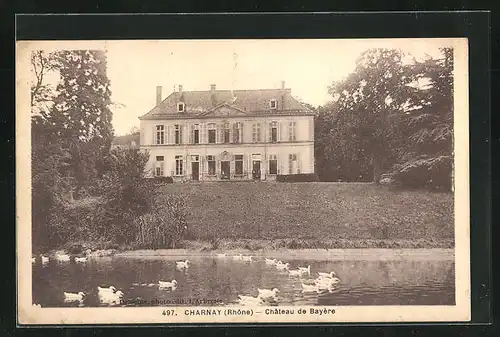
x,y
325,281
61,257
112,296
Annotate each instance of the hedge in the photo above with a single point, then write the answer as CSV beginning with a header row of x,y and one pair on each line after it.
x,y
296,178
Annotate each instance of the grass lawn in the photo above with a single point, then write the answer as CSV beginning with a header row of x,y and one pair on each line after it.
x,y
316,215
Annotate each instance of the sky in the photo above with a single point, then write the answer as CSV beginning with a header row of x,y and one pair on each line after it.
x,y
308,67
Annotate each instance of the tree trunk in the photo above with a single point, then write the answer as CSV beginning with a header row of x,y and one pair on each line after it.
x,y
376,162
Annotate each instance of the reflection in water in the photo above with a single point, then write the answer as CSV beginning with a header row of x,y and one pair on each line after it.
x,y
210,281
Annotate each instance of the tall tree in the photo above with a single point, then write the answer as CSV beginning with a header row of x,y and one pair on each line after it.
x,y
82,114
367,105
427,126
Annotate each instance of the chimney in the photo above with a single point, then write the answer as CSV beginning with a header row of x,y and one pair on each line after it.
x,y
158,94
213,97
180,89
282,85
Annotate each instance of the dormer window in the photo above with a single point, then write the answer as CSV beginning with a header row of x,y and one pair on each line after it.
x,y
273,104
181,106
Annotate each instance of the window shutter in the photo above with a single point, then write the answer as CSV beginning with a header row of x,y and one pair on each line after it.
x,y
299,170
221,132
270,132
242,133
153,142
191,134
279,132
161,169
231,135
217,133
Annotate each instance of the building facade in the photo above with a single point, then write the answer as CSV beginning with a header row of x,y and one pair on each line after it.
x,y
228,135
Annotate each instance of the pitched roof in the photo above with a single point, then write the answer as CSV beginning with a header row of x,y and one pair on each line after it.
x,y
252,102
126,139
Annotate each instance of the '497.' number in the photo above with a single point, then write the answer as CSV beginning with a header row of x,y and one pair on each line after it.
x,y
169,312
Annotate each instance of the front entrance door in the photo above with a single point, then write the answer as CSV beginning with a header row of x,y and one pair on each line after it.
x,y
195,170
256,170
225,169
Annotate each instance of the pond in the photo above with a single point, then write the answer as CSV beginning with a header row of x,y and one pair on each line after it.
x,y
218,281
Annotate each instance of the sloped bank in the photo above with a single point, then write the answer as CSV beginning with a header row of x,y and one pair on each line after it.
x,y
366,254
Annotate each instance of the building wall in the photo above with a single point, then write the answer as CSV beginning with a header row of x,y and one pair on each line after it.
x,y
302,147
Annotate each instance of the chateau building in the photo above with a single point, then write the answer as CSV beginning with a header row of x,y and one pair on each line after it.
x,y
226,134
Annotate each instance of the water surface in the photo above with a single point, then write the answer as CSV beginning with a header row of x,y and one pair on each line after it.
x,y
219,281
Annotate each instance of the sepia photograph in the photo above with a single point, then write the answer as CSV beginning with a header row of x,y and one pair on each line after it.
x,y
242,181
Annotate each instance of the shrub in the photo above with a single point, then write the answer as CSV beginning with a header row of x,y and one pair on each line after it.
x,y
165,225
424,171
295,178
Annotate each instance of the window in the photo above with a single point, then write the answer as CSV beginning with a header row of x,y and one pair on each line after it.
x,y
211,165
226,132
181,106
273,104
291,132
238,164
160,134
159,171
179,167
196,134
159,166
211,133
178,134
273,164
292,163
274,132
256,133
237,133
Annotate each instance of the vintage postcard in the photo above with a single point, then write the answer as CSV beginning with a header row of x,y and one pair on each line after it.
x,y
242,181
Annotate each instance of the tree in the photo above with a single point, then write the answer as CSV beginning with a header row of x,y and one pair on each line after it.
x,y
427,125
42,64
81,114
367,106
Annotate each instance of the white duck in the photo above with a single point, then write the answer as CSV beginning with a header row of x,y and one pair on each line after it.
x,y
165,284
249,300
326,282
271,262
282,266
81,259
305,270
182,264
247,258
62,257
45,259
238,257
102,290
296,272
72,297
110,297
221,255
327,275
266,293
